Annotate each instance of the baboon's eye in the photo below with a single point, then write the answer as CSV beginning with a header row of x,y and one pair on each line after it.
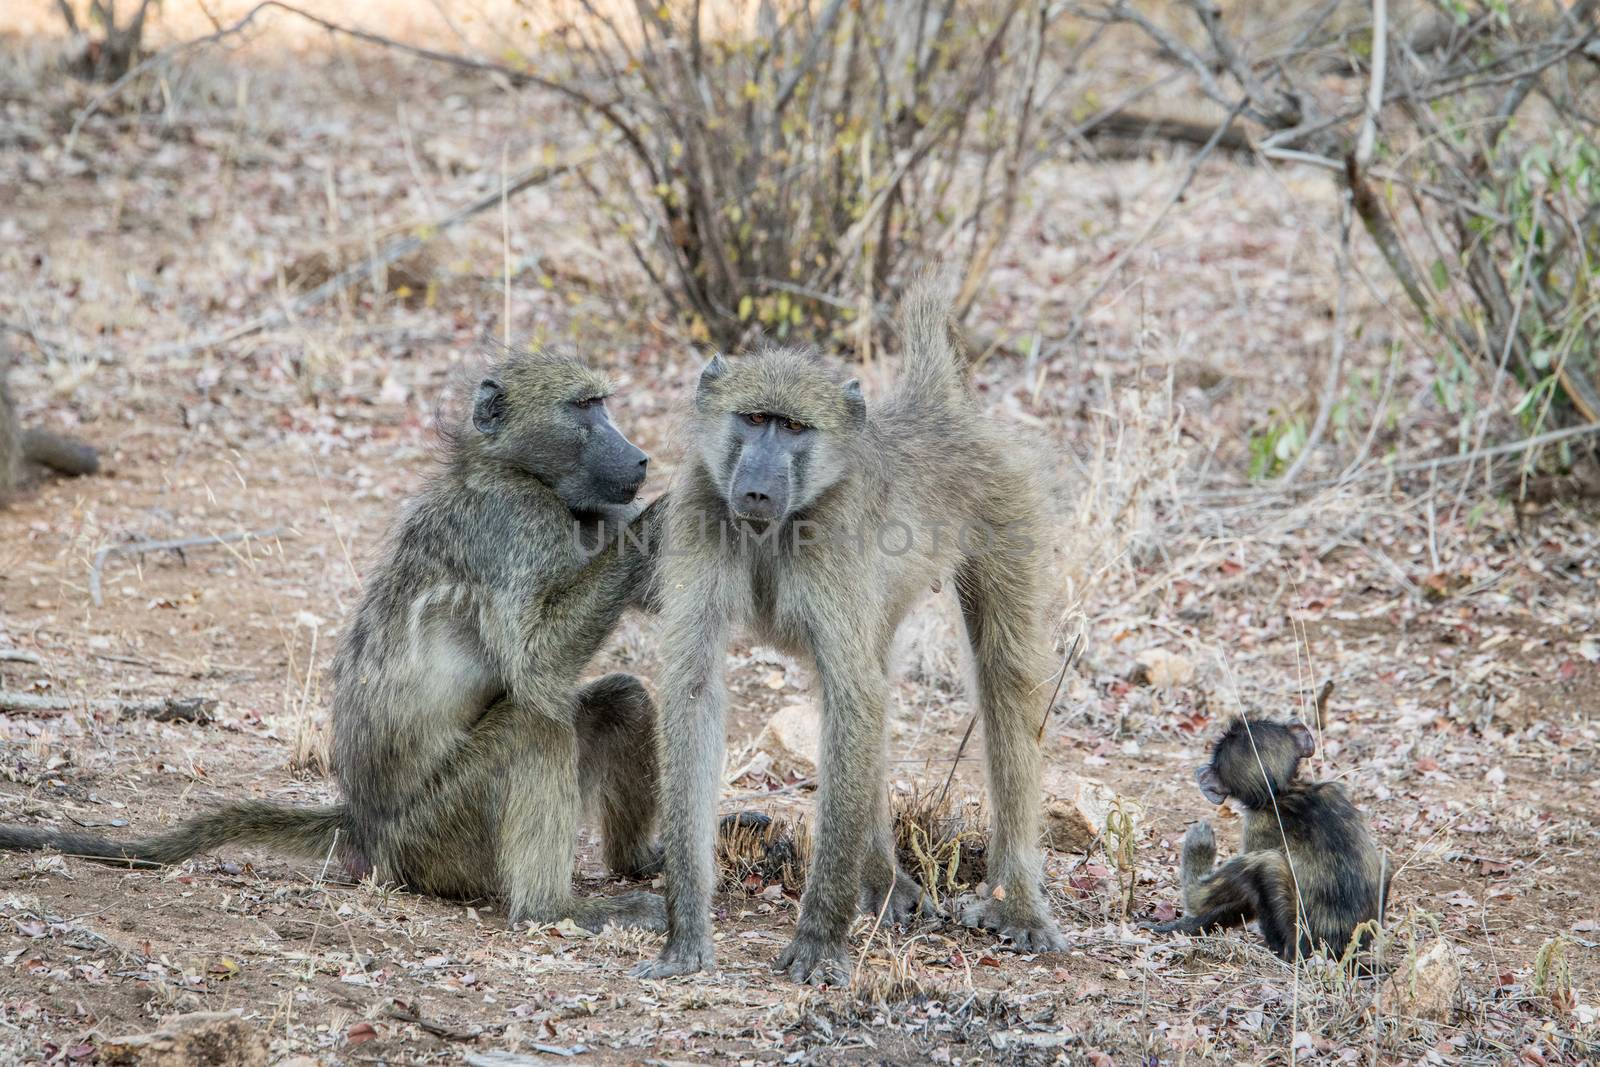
x,y
795,426
755,418
589,402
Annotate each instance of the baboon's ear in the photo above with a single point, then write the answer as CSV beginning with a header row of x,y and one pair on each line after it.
x,y
855,404
1305,742
714,369
489,407
1210,786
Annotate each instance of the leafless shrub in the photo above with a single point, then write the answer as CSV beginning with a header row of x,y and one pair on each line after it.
x,y
1464,136
785,165
939,838
943,841
117,47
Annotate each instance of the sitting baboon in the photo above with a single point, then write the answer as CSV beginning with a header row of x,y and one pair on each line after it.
x,y
1308,872
461,740
818,526
19,447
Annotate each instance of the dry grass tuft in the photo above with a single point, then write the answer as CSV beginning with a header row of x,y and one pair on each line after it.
x,y
752,855
943,841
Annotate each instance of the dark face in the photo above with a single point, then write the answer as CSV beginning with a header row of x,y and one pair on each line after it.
x,y
1254,761
574,449
768,455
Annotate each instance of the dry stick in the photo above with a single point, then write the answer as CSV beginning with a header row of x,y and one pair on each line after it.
x,y
107,552
1066,663
17,655
1511,447
1321,704
1368,138
352,275
165,709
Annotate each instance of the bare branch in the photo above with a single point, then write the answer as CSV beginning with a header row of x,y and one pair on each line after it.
x,y
177,545
1380,50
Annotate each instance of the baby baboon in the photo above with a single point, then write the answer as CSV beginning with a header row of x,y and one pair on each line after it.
x,y
461,738
818,527
19,447
1309,873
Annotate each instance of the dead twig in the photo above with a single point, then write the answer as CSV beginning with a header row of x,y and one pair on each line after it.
x,y
444,1030
17,655
197,710
179,544
1066,664
1321,704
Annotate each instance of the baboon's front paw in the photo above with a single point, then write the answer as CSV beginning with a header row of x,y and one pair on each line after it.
x,y
679,957
1028,929
815,961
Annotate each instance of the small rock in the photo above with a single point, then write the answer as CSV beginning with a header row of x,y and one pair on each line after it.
x,y
1074,822
793,737
1425,986
204,1039
1162,669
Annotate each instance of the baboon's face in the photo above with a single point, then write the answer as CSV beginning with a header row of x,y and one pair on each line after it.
x,y
776,431
1254,760
549,419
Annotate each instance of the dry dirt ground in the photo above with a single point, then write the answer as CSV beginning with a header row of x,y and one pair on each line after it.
x,y
1459,628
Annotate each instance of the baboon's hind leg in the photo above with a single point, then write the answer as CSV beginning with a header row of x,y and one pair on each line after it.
x,y
502,820
538,834
1001,605
617,768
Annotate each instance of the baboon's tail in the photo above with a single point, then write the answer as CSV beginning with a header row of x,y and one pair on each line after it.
x,y
59,453
935,361
301,830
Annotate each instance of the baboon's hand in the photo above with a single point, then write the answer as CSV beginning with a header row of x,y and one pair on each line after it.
x,y
1028,928
815,961
681,956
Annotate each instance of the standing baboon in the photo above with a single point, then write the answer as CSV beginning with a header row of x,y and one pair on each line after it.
x,y
461,739
818,526
19,447
1309,873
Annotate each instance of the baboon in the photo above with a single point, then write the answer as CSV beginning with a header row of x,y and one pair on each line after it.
x,y
461,740
818,526
1308,871
19,447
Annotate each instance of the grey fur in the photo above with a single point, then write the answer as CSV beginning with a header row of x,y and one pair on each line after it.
x,y
459,725
925,457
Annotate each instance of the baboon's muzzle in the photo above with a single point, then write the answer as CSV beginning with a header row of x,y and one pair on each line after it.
x,y
760,488
616,464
